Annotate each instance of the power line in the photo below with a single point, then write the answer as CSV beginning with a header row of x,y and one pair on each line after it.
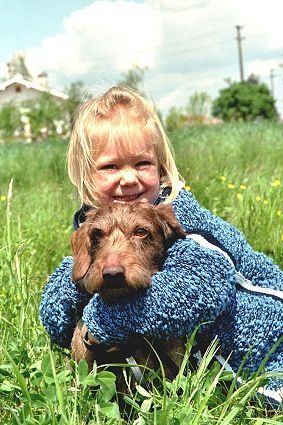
x,y
100,64
165,46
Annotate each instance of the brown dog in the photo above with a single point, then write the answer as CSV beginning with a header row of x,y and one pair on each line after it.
x,y
116,251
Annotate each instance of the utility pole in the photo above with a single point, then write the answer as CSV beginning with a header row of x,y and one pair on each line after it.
x,y
239,39
272,82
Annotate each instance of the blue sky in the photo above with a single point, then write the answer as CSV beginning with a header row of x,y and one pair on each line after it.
x,y
188,45
28,22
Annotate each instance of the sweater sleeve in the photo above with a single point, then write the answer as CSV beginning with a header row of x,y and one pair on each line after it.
x,y
195,286
61,304
255,266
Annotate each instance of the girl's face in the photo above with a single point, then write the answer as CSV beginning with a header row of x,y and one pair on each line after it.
x,y
127,178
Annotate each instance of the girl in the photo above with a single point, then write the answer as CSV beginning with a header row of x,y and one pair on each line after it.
x,y
119,152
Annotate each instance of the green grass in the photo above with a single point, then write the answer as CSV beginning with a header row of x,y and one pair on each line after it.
x,y
236,171
38,383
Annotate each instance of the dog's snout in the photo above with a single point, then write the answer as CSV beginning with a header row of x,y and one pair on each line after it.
x,y
113,272
113,277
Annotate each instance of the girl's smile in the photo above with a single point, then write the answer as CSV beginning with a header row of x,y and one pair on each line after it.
x,y
127,178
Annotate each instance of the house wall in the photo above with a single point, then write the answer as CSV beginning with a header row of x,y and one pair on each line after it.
x,y
11,94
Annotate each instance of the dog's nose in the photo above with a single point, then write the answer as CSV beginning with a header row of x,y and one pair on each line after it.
x,y
113,275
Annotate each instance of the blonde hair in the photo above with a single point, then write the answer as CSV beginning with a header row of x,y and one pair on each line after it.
x,y
126,118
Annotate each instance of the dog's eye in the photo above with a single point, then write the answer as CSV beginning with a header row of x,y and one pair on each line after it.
x,y
140,232
97,233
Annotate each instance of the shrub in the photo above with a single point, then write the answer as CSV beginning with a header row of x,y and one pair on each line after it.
x,y
10,121
44,115
245,101
175,119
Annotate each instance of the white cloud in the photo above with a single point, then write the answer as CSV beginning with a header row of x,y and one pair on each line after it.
x,y
188,45
3,69
262,67
104,37
176,6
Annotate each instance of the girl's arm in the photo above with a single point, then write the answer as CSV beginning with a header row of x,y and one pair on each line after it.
x,y
61,305
195,286
189,290
255,266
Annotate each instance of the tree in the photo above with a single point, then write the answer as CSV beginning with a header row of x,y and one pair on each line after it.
x,y
133,78
245,101
77,93
45,115
175,119
199,105
10,121
253,79
197,108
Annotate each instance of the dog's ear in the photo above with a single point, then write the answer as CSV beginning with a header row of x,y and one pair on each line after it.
x,y
80,243
170,225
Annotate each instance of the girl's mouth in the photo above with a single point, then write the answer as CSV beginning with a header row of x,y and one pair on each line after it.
x,y
126,198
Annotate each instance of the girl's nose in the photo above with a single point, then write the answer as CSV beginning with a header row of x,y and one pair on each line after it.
x,y
128,177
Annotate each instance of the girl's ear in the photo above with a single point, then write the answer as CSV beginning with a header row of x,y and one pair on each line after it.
x,y
80,243
170,225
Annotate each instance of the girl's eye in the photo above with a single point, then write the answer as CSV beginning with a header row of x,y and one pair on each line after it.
x,y
143,163
108,167
140,232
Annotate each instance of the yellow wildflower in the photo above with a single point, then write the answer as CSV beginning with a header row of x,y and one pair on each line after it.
x,y
187,187
223,178
258,198
276,183
3,198
231,186
282,237
265,202
243,187
239,196
279,213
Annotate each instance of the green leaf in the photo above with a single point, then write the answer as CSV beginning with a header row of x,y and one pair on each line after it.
x,y
7,387
174,421
110,410
90,381
50,394
49,380
5,370
46,366
64,376
143,391
146,405
21,381
38,400
105,378
82,370
107,392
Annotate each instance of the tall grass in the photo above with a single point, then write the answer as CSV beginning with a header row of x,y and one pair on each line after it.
x,y
236,171
39,384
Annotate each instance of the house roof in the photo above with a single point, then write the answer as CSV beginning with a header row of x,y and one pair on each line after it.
x,y
18,79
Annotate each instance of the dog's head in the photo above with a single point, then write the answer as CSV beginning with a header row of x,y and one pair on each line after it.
x,y
118,248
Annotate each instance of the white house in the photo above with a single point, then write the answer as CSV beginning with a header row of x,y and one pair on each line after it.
x,y
17,89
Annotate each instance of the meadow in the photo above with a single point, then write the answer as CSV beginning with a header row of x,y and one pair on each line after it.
x,y
235,170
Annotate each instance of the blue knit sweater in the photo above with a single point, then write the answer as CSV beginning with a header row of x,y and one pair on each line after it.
x,y
195,285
